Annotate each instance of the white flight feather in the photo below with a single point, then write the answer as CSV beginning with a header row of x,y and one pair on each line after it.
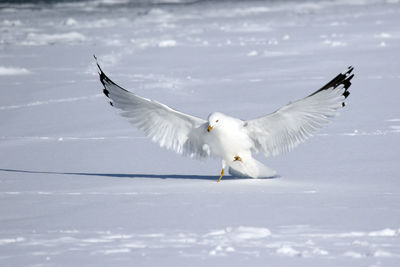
x,y
169,128
294,123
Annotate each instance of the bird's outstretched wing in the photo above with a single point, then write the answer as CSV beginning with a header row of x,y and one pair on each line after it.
x,y
169,128
292,124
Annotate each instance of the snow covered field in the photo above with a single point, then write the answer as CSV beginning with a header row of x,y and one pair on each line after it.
x,y
80,187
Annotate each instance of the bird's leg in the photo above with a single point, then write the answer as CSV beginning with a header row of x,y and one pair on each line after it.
x,y
223,170
222,174
237,158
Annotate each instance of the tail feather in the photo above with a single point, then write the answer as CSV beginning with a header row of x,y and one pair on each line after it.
x,y
251,168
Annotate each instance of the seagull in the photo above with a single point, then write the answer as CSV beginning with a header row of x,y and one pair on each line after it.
x,y
232,140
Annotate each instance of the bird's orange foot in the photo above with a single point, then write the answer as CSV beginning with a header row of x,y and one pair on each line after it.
x,y
237,158
222,174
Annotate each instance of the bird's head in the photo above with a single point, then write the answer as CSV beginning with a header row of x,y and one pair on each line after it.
x,y
214,120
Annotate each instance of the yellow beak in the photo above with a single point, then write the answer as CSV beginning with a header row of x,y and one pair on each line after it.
x,y
209,128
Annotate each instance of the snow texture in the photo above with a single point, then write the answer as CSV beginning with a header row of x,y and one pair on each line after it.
x,y
79,186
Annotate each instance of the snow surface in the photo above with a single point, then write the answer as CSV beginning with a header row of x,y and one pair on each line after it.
x,y
80,187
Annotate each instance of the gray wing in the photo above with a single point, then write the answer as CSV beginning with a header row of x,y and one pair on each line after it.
x,y
294,123
167,127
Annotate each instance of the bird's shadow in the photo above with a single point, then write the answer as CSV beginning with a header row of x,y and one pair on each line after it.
x,y
134,175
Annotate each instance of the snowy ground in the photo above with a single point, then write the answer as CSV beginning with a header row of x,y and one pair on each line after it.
x,y
80,187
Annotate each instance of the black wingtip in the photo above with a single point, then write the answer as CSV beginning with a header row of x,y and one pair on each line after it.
x,y
97,63
106,92
347,82
107,82
103,77
341,79
350,69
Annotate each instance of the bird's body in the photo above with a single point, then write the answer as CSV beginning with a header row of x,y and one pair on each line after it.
x,y
232,140
229,140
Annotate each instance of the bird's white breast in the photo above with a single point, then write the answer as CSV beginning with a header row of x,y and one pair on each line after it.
x,y
229,140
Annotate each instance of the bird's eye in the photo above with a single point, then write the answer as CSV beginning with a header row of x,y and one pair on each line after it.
x,y
217,121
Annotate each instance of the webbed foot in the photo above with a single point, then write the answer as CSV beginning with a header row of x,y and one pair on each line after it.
x,y
237,158
222,174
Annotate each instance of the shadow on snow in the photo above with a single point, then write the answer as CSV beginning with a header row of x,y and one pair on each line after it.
x,y
135,175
